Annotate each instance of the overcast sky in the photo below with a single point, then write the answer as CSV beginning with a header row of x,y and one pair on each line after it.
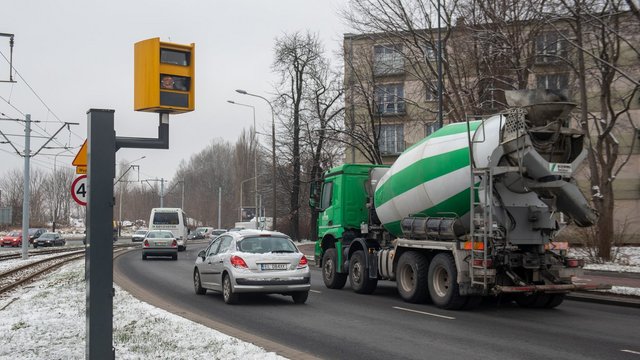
x,y
78,55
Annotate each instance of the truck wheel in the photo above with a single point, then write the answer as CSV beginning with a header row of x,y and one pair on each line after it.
x,y
332,279
443,284
359,274
412,277
556,299
532,301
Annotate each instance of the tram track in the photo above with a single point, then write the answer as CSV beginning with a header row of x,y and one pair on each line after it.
x,y
20,275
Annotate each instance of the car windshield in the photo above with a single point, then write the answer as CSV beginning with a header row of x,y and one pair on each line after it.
x,y
263,245
14,234
32,231
141,232
46,236
160,235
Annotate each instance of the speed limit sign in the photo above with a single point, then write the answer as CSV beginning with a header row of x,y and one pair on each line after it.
x,y
79,190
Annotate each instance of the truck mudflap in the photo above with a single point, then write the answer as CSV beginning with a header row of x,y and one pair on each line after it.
x,y
550,288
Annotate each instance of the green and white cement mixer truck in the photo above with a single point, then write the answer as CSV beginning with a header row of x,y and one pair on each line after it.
x,y
470,211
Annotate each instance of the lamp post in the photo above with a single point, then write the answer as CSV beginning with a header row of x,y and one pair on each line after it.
x,y
273,150
255,156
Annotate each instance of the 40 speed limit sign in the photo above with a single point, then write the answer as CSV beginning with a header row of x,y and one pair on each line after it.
x,y
79,190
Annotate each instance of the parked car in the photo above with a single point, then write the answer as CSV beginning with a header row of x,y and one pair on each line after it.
x,y
49,239
35,233
14,238
139,235
252,261
160,243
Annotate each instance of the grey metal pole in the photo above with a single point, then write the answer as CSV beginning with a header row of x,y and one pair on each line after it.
x,y
440,82
25,187
255,165
161,192
182,203
219,204
99,256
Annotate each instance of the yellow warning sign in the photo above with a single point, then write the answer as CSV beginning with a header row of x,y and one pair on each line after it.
x,y
81,157
81,169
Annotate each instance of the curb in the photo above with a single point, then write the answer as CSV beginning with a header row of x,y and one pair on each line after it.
x,y
608,299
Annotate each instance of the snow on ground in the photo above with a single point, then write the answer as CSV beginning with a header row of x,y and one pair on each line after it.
x,y
47,321
627,259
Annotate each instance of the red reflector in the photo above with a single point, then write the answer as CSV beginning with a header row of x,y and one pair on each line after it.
x,y
480,262
238,262
303,262
574,263
146,243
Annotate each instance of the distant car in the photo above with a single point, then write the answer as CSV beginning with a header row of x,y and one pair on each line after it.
x,y
160,243
200,233
14,238
216,232
49,239
35,233
252,261
139,235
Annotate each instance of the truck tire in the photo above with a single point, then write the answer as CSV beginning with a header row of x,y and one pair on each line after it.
x,y
443,284
533,301
332,279
412,277
556,299
359,274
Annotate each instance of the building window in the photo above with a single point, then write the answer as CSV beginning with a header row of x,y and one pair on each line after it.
x,y
391,140
552,81
388,59
390,99
431,50
550,48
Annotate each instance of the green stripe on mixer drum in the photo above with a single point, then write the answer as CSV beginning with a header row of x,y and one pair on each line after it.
x,y
460,202
420,172
451,129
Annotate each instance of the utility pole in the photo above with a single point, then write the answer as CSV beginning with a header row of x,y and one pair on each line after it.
x,y
219,204
25,187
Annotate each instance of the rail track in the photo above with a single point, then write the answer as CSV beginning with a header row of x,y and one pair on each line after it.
x,y
52,251
22,274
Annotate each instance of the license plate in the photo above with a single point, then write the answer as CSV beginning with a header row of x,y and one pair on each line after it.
x,y
161,243
274,266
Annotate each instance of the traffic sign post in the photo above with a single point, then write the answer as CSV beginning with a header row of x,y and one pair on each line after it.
x,y
79,190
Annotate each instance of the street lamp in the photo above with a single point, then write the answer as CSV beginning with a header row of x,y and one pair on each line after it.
x,y
273,150
255,158
241,185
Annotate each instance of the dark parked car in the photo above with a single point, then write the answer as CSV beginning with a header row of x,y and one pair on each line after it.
x,y
49,239
35,233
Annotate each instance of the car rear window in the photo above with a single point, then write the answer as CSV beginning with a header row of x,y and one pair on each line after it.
x,y
166,218
160,235
263,245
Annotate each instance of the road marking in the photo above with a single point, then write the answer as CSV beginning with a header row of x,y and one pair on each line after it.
x,y
631,351
425,313
316,291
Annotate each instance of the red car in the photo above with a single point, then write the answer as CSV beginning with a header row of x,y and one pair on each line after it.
x,y
13,238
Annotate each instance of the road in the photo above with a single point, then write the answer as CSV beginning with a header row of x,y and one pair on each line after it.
x,y
340,324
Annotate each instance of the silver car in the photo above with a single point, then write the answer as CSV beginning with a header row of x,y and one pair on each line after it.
x,y
160,243
252,261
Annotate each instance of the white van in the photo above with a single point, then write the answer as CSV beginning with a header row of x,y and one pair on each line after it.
x,y
172,219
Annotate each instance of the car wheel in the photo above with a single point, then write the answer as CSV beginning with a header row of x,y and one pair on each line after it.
x,y
332,279
144,256
197,283
359,274
300,297
227,291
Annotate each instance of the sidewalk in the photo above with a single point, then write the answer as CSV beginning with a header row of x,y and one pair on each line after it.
x,y
631,280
